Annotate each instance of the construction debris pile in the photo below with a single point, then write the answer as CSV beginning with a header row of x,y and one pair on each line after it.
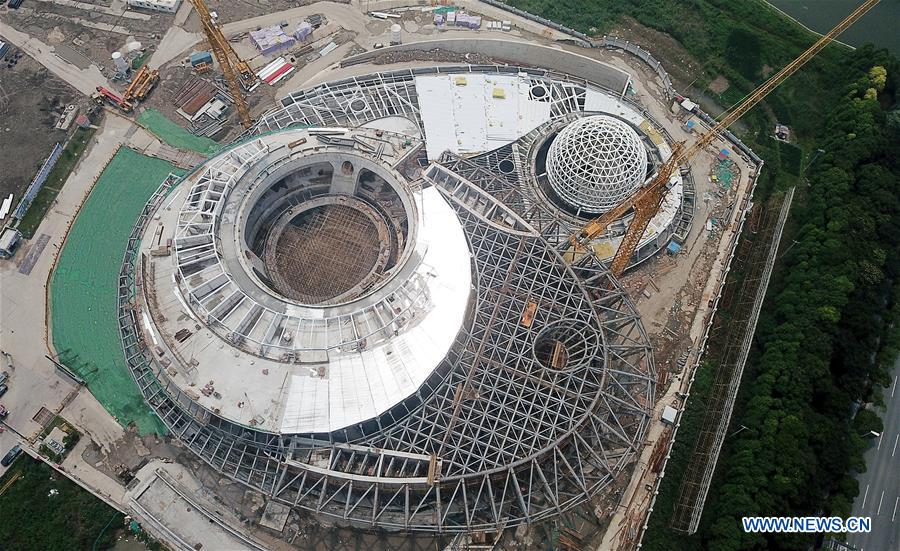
x,y
724,172
436,54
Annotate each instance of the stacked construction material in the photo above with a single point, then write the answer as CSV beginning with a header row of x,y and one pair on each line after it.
x,y
192,97
468,21
303,31
272,73
458,19
271,39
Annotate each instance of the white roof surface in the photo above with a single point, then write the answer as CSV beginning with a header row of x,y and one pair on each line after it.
x,y
332,389
361,385
473,113
597,100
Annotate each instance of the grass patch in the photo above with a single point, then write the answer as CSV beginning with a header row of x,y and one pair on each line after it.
x,y
175,135
72,437
45,510
85,282
55,181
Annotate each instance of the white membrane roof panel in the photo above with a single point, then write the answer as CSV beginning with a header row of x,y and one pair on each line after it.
x,y
472,113
359,385
469,108
435,107
597,100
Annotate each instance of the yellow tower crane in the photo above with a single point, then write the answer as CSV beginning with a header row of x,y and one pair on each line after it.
x,y
237,72
647,200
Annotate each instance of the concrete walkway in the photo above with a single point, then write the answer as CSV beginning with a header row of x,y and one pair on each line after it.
x,y
35,381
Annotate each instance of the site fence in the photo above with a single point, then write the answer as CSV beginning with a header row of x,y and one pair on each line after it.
x,y
38,182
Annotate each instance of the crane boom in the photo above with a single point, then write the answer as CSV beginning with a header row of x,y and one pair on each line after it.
x,y
233,67
647,200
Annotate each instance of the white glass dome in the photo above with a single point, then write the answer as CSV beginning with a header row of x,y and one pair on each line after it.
x,y
596,162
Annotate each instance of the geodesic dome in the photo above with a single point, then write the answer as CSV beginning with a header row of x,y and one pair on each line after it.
x,y
596,162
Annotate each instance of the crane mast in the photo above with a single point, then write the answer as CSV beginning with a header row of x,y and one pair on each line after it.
x,y
647,200
236,70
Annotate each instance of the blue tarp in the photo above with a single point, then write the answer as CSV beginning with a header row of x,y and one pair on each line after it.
x,y
673,247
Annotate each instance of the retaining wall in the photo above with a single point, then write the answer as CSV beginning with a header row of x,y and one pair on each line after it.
x,y
516,52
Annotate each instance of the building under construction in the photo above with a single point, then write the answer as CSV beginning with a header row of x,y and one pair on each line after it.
x,y
369,309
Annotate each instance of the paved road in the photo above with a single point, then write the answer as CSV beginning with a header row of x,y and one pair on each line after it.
x,y
34,381
879,486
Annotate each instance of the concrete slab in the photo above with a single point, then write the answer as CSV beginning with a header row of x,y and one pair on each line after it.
x,y
275,516
73,56
169,502
34,252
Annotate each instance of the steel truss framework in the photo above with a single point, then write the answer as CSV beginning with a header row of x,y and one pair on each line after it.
x,y
358,100
596,163
205,271
495,437
514,190
500,440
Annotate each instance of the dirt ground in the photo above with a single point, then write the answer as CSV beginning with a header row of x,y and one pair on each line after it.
x,y
129,453
681,66
31,100
231,10
64,27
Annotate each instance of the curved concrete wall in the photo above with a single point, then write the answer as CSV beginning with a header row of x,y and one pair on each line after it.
x,y
516,52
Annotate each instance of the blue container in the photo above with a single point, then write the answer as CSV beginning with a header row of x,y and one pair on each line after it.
x,y
200,57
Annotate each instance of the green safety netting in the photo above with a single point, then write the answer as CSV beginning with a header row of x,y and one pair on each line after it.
x,y
174,135
84,286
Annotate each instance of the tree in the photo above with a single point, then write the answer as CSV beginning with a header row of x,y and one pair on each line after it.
x,y
743,52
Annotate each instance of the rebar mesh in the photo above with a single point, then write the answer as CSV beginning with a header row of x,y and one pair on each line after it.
x,y
324,252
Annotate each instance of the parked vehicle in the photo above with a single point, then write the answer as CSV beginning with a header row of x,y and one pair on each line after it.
x,y
3,389
4,413
11,455
4,377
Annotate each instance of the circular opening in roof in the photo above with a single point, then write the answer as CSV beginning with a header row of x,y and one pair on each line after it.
x,y
538,92
506,166
358,105
566,344
327,231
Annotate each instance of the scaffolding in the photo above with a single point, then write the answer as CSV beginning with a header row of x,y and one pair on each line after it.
x,y
743,298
